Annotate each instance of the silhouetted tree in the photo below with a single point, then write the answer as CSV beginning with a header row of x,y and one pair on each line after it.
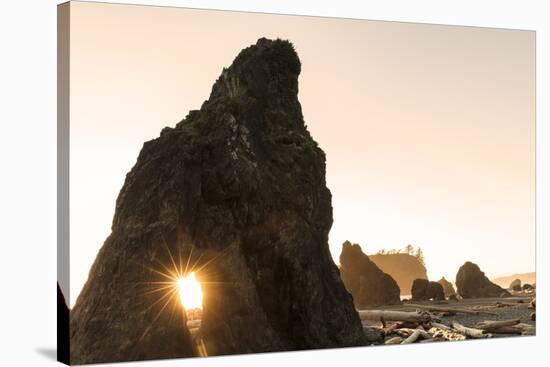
x,y
409,249
420,256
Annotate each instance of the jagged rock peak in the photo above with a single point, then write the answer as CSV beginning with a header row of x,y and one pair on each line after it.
x,y
368,285
262,75
238,190
266,68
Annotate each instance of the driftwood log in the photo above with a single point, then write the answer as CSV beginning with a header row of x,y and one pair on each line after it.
x,y
470,332
390,329
449,309
490,325
420,317
394,340
417,333
527,329
507,304
446,334
440,326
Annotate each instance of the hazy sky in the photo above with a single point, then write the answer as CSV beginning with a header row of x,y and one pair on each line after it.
x,y
429,130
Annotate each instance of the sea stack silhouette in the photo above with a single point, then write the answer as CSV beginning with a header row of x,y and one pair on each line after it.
x,y
369,285
471,282
402,267
423,290
448,287
237,189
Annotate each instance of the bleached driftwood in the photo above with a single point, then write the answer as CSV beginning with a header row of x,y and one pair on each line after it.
x,y
415,335
421,317
527,329
440,326
404,332
448,309
490,325
447,334
507,304
388,330
394,340
470,332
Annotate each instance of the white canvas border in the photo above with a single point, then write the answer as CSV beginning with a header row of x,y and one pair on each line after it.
x,y
29,124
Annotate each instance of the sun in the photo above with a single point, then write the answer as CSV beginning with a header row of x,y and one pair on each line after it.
x,y
190,291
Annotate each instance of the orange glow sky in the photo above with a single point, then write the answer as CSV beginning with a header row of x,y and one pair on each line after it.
x,y
429,130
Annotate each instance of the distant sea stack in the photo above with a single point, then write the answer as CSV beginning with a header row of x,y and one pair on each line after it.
x,y
402,267
515,285
504,282
237,189
423,290
369,285
448,288
471,282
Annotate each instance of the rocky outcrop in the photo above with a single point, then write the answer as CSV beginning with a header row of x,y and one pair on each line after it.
x,y
448,288
516,283
424,290
237,193
369,285
471,282
402,267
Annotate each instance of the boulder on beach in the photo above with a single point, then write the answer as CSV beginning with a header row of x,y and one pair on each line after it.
x,y
515,284
527,287
471,282
448,288
235,192
368,285
424,290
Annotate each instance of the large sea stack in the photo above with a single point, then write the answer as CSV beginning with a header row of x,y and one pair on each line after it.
x,y
236,192
471,282
402,267
448,288
369,285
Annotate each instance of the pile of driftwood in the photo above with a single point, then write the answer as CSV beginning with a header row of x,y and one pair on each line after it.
x,y
424,326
